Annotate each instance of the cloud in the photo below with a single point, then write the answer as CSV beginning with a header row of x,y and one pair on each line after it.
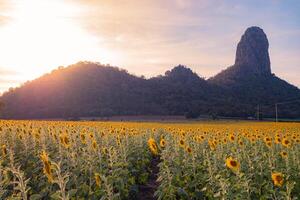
x,y
154,35
9,78
151,27
3,19
7,72
5,6
8,81
150,36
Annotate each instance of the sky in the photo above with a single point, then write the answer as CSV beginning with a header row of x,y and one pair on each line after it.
x,y
145,37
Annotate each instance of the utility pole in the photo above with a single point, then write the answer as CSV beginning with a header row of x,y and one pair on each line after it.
x,y
257,112
276,112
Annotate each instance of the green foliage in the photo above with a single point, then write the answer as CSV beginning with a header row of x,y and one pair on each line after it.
x,y
93,90
111,160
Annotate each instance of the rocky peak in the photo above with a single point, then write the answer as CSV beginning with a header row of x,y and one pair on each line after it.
x,y
252,52
181,72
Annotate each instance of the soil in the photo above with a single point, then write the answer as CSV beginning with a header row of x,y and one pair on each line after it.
x,y
146,192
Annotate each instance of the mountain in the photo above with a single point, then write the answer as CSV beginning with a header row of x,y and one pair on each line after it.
x,y
252,58
83,89
89,89
250,78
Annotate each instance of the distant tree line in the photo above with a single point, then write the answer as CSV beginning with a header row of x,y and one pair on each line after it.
x,y
90,89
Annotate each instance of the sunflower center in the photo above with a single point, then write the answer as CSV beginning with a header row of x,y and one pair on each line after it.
x,y
153,146
278,178
233,163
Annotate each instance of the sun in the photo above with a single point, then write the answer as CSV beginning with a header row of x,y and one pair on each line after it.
x,y
44,34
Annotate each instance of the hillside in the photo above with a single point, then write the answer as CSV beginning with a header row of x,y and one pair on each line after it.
x,y
251,80
83,89
89,89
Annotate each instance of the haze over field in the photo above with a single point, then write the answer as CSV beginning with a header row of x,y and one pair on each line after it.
x,y
145,37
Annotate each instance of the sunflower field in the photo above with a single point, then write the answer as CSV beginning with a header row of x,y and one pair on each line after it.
x,y
112,160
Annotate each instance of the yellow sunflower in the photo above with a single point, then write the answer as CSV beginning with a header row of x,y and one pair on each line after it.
x,y
152,146
94,145
232,164
285,142
231,137
65,141
47,166
277,178
97,179
241,143
268,144
83,138
212,145
162,143
181,143
284,154
277,140
188,149
4,150
267,139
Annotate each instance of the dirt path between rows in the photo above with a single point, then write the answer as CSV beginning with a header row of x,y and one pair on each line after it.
x,y
146,192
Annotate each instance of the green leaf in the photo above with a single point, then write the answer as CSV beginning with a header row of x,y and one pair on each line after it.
x,y
35,197
72,192
56,195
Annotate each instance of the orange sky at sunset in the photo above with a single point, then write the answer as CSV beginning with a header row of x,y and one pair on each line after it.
x,y
143,36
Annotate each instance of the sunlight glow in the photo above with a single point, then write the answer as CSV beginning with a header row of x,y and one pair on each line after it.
x,y
142,36
43,35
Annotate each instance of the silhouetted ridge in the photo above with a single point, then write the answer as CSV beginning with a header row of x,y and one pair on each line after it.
x,y
89,89
182,73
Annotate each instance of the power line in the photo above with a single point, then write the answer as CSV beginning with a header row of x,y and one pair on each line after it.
x,y
276,106
287,102
282,103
